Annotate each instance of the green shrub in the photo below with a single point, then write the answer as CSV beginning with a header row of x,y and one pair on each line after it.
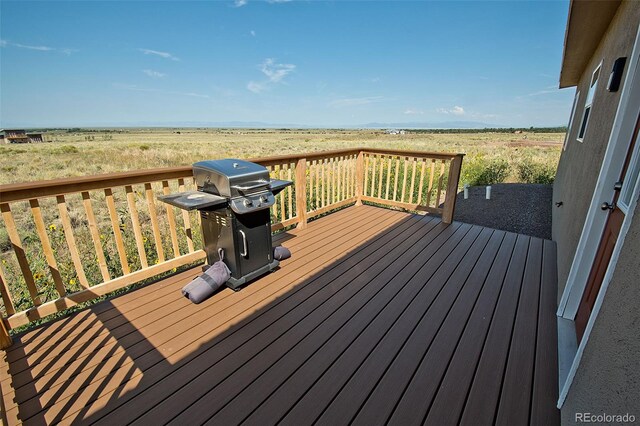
x,y
144,147
481,171
530,171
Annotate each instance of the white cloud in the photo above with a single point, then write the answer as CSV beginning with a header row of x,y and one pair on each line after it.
x,y
278,1
165,55
136,88
349,102
253,33
154,74
456,110
275,73
239,3
66,51
256,87
411,111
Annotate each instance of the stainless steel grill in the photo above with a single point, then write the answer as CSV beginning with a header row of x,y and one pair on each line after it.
x,y
233,198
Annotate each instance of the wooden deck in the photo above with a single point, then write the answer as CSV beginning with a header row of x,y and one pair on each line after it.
x,y
379,316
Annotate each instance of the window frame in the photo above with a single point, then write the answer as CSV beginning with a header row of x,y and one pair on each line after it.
x,y
588,104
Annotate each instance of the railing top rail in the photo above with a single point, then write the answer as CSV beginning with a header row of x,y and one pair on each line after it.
x,y
412,153
46,188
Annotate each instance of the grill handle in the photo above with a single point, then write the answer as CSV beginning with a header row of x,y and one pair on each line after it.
x,y
251,187
244,244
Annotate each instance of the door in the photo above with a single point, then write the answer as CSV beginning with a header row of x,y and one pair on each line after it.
x,y
607,242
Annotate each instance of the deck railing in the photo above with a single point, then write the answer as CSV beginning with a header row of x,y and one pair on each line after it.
x,y
73,240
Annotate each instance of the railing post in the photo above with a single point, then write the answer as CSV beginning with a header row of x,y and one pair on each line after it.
x,y
452,189
301,192
359,177
5,337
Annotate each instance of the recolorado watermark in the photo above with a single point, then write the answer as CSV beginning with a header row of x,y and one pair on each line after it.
x,y
605,418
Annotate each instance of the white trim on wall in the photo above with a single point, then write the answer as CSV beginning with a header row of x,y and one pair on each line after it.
x,y
576,99
617,148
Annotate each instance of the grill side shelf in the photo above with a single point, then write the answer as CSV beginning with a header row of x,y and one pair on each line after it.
x,y
192,200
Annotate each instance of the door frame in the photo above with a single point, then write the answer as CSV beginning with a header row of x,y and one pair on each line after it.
x,y
617,148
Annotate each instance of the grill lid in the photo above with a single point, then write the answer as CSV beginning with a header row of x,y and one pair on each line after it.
x,y
230,177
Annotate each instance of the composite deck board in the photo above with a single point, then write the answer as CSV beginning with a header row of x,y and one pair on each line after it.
x,y
378,316
114,330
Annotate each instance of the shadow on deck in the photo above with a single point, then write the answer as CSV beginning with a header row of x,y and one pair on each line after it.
x,y
379,316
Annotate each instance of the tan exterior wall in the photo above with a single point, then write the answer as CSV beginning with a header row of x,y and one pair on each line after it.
x,y
608,379
580,162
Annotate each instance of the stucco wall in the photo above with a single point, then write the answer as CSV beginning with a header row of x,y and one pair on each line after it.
x,y
608,379
580,162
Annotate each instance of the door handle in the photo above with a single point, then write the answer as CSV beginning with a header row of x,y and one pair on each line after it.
x,y
617,186
607,206
244,244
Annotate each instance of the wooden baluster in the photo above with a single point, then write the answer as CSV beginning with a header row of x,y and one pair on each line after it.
x,y
274,175
366,175
16,242
395,179
95,236
172,221
431,176
283,209
341,178
157,236
389,162
373,176
311,190
331,181
301,192
135,220
413,180
6,294
71,241
452,189
115,225
290,191
440,178
404,178
317,173
186,220
421,185
354,174
382,159
322,194
345,178
5,337
360,176
41,229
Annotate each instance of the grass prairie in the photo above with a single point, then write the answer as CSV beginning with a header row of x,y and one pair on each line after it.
x,y
88,152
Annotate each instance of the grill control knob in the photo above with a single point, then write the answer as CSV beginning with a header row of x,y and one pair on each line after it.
x,y
264,198
248,202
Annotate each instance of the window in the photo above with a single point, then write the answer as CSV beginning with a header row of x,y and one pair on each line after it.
x,y
587,105
571,117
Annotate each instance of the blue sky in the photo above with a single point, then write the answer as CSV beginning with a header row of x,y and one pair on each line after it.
x,y
324,63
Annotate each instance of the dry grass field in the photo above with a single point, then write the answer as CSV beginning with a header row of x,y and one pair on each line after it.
x,y
93,152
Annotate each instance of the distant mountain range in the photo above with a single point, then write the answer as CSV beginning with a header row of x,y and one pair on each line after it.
x,y
265,125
